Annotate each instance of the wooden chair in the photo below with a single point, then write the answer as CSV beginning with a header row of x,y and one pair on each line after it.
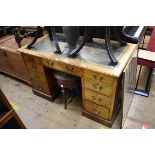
x,y
69,85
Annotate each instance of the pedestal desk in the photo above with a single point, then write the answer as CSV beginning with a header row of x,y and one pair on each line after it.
x,y
104,87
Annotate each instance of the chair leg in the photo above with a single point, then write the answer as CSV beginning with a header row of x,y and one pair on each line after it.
x,y
146,91
138,76
63,91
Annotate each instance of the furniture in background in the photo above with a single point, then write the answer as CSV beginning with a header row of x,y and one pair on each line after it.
x,y
8,117
68,84
5,30
101,84
11,61
146,58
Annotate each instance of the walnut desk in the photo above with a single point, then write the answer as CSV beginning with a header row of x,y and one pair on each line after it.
x,y
102,85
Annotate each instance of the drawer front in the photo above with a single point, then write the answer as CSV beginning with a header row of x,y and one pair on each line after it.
x,y
63,67
34,66
103,88
98,77
40,86
39,76
96,109
97,98
31,59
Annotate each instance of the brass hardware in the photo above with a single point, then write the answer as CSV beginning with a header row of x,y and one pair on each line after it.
x,y
48,62
101,78
99,99
36,77
100,88
93,97
96,112
40,88
69,69
94,76
52,63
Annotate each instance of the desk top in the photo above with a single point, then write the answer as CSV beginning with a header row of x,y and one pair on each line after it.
x,y
93,56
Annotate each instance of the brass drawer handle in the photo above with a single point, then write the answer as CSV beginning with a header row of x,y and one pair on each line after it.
x,y
93,97
94,76
36,77
50,63
40,88
101,78
97,87
100,88
96,112
96,98
70,69
99,100
97,78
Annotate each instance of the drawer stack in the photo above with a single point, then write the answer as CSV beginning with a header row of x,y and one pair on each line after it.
x,y
97,94
37,74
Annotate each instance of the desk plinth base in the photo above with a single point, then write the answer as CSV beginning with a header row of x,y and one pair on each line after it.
x,y
103,121
43,95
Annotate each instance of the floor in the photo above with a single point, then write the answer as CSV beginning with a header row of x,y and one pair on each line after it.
x,y
38,113
142,110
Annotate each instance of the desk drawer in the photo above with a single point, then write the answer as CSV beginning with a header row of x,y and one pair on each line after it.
x,y
96,109
97,98
98,77
40,86
103,88
39,82
31,59
63,67
35,75
34,67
